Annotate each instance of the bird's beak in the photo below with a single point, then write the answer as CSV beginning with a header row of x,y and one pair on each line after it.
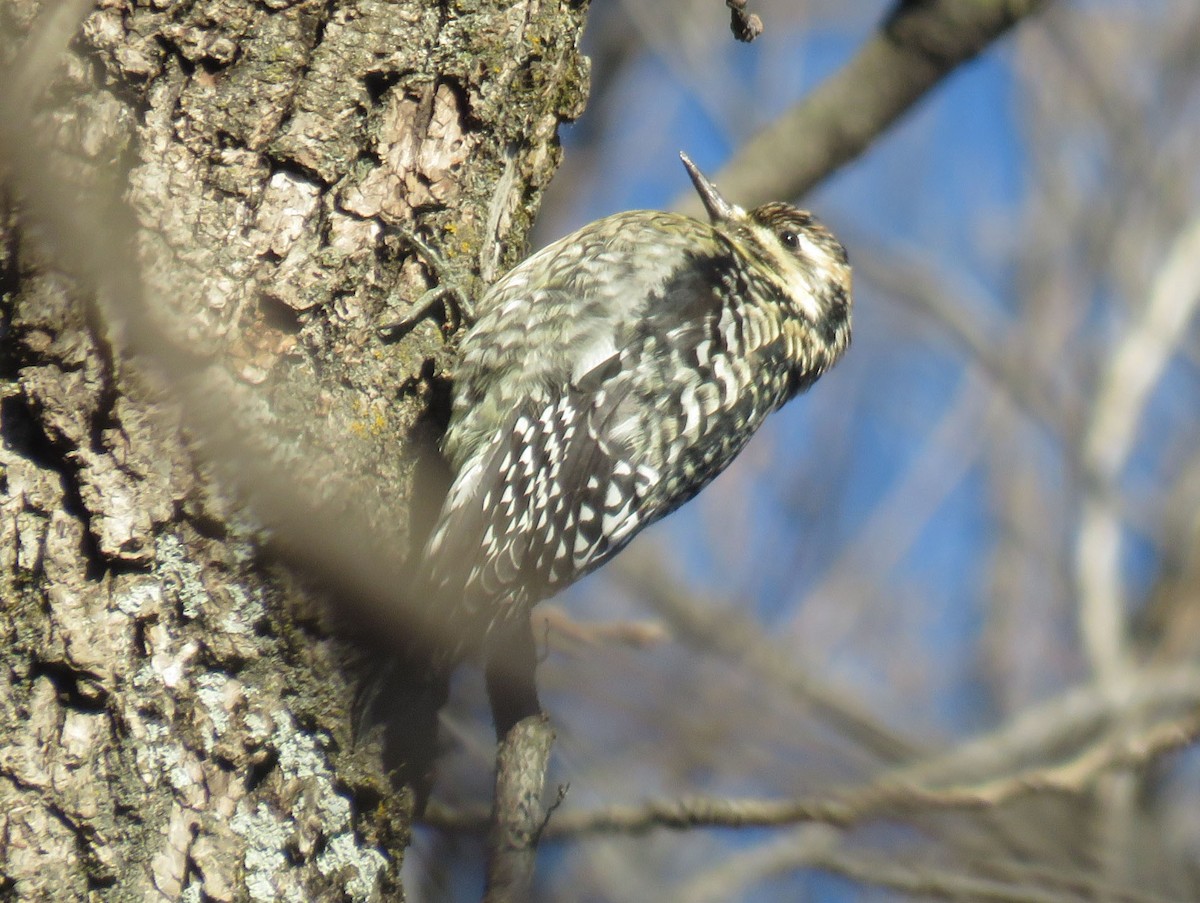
x,y
718,208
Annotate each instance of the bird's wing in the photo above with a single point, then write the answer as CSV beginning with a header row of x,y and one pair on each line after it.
x,y
552,496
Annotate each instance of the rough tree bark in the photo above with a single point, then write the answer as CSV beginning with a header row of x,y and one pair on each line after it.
x,y
176,714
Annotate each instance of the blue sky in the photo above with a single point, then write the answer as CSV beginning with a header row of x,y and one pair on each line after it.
x,y
905,425
921,187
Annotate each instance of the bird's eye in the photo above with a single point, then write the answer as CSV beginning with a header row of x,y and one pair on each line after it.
x,y
790,239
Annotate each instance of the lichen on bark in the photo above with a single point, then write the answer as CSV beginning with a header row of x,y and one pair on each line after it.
x,y
176,707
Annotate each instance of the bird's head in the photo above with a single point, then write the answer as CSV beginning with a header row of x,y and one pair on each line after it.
x,y
796,255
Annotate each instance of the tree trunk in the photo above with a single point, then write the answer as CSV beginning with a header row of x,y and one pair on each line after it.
x,y
177,713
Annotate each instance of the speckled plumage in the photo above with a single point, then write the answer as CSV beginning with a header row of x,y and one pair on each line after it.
x,y
609,377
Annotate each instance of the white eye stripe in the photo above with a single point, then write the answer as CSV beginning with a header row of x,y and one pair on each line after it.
x,y
811,249
794,268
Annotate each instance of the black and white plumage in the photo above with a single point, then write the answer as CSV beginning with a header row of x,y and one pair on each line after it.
x,y
610,377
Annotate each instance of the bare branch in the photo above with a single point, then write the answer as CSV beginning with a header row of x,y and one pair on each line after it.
x,y
888,798
554,620
915,788
917,46
1135,367
517,814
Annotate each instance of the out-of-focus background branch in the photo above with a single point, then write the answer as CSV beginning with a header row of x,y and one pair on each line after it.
x,y
917,46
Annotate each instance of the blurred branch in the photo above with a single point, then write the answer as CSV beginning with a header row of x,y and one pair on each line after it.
x,y
30,73
917,46
814,847
1169,629
730,878
719,630
1135,366
554,621
886,798
1039,731
1037,734
929,881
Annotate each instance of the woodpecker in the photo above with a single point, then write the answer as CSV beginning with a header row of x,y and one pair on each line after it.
x,y
610,377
